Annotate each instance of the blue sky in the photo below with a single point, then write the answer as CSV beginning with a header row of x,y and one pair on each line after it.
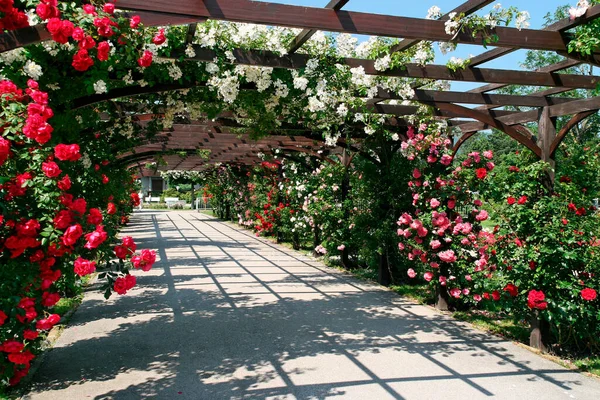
x,y
537,9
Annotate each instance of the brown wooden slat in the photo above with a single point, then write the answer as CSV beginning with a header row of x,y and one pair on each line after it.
x,y
559,26
550,68
493,122
468,7
266,13
558,110
306,34
478,98
296,61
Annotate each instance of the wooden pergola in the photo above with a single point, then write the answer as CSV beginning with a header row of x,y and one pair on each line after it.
x,y
225,146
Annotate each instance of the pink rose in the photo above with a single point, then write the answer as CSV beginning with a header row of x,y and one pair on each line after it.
x,y
447,256
411,273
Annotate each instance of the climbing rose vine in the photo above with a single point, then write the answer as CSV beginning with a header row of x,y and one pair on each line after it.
x,y
59,217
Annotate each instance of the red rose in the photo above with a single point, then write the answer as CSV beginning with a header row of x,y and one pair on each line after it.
x,y
12,346
60,30
78,34
89,9
30,334
82,60
83,267
67,152
512,168
66,199
122,252
135,199
105,179
123,284
50,299
128,242
481,173
63,219
159,38
47,11
103,51
111,209
146,59
72,234
589,294
511,200
28,228
64,183
105,26
47,323
134,21
511,289
145,260
51,169
496,295
3,317
21,358
87,42
4,150
535,300
37,128
95,238
79,206
94,217
522,200
532,265
109,8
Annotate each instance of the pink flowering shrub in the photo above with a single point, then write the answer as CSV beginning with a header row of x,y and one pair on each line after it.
x,y
443,235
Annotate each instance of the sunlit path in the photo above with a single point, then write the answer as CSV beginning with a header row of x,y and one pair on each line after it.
x,y
224,315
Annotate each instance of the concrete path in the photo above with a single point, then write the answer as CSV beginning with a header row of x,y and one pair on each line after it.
x,y
225,315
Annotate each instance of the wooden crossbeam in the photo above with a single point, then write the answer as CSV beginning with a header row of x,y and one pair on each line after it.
x,y
559,26
558,110
306,34
549,68
477,98
297,61
265,13
25,36
468,7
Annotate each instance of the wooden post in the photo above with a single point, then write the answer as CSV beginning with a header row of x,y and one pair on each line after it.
x,y
384,276
317,239
442,299
546,135
346,161
539,328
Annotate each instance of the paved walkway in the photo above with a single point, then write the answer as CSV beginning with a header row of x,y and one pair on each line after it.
x,y
225,315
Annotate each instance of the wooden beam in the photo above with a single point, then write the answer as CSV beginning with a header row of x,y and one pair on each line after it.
x,y
266,13
550,68
493,122
35,34
306,34
297,61
468,7
477,98
558,110
559,26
